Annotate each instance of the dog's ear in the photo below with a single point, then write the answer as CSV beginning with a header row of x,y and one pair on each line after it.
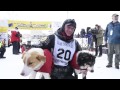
x,y
41,57
23,54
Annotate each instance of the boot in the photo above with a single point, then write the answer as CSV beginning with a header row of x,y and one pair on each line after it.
x,y
100,50
117,67
108,66
96,51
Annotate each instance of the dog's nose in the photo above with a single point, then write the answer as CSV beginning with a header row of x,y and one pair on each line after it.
x,y
22,74
92,71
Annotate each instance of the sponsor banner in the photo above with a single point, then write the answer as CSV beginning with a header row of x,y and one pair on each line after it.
x,y
30,25
3,26
3,29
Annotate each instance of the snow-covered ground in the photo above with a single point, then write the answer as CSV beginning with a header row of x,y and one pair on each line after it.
x,y
10,68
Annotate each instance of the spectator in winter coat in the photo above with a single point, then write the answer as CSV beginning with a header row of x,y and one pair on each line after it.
x,y
98,40
2,49
90,38
15,40
112,37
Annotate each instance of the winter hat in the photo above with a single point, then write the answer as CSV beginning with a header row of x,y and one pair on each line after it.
x,y
61,31
114,15
70,22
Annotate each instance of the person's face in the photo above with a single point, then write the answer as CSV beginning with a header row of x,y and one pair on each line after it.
x,y
69,30
115,18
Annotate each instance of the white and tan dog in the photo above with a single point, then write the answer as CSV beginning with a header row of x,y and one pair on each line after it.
x,y
35,60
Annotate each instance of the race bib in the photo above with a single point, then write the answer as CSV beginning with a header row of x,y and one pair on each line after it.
x,y
63,51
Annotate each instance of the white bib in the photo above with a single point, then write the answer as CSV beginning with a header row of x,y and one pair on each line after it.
x,y
63,52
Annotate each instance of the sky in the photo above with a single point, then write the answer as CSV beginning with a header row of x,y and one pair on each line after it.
x,y
11,67
83,18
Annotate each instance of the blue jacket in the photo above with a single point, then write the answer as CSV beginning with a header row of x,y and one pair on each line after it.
x,y
112,33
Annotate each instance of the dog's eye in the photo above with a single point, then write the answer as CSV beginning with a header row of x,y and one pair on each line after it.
x,y
29,63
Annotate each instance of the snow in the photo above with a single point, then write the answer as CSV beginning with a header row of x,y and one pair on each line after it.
x,y
11,67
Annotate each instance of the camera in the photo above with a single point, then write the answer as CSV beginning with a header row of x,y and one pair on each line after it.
x,y
94,31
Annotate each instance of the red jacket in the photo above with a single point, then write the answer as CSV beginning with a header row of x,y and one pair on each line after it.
x,y
14,37
47,67
74,62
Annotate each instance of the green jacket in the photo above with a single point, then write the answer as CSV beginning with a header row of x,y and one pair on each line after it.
x,y
99,37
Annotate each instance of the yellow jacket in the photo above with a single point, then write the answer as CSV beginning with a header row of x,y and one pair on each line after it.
x,y
1,44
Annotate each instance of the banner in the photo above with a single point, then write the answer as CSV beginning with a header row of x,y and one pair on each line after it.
x,y
30,25
4,31
3,26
